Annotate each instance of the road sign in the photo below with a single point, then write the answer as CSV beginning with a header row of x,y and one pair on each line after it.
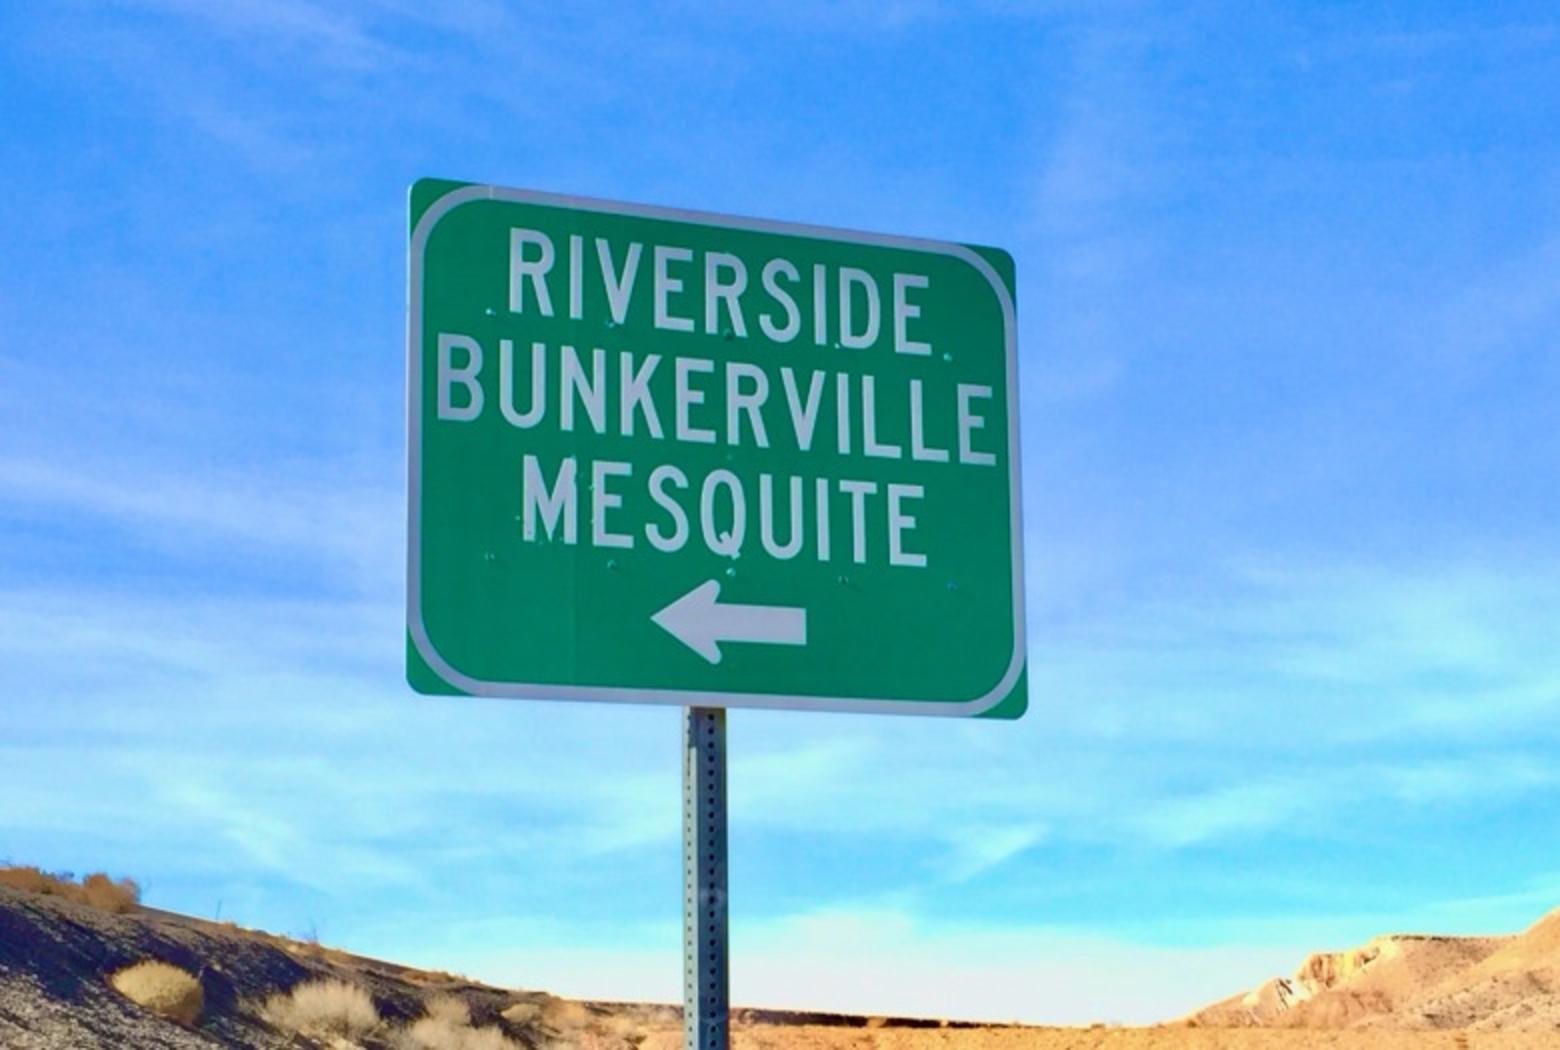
x,y
675,457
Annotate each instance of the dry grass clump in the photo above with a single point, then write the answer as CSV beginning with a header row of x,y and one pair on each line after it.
x,y
447,1026
571,1025
568,1024
97,889
523,1013
163,989
564,1013
448,1009
549,1011
323,1008
621,1035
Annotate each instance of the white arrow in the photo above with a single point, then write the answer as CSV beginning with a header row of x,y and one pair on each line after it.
x,y
700,622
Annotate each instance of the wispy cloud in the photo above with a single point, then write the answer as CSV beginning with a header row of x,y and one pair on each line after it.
x,y
1227,811
977,850
327,33
331,523
1300,648
1306,802
842,959
1533,898
1097,165
275,738
883,960
1510,306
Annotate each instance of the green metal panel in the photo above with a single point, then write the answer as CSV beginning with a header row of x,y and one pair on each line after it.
x,y
725,488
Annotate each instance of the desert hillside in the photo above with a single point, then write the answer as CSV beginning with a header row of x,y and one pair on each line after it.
x,y
58,956
63,946
93,969
1413,981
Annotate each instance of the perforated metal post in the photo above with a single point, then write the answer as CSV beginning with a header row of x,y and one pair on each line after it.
x,y
706,1004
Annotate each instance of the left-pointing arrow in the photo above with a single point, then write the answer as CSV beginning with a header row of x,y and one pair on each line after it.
x,y
701,622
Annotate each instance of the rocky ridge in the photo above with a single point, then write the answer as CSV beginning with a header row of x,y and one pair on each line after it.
x,y
1414,981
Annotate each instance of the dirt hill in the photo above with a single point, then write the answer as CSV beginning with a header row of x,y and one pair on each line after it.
x,y
60,960
1413,981
59,954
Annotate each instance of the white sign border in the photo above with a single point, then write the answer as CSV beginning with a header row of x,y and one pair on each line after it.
x,y
689,698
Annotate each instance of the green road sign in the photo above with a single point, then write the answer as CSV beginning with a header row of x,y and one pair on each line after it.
x,y
673,457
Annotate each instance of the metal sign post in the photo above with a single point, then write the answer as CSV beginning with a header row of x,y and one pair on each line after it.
x,y
706,984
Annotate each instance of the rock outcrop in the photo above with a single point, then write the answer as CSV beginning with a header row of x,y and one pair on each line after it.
x,y
1412,981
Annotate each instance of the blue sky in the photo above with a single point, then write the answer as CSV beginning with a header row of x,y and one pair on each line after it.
x,y
1288,303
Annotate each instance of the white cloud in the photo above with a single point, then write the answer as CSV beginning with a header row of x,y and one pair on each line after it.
x,y
880,961
1240,808
978,849
1296,657
339,527
1311,798
326,31
891,962
1503,912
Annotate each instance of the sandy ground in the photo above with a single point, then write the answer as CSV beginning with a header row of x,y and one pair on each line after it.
x,y
766,1037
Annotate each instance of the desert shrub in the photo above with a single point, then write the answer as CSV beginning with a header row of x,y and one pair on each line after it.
x,y
564,1014
96,889
163,989
591,1039
100,891
567,1024
31,880
523,1013
427,1034
447,1026
323,1008
548,1011
488,1038
449,1009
